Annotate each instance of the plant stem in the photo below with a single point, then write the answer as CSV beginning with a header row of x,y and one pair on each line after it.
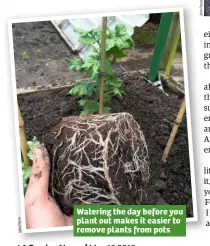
x,y
174,130
102,67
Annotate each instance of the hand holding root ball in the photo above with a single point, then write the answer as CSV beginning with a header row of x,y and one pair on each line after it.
x,y
40,208
111,150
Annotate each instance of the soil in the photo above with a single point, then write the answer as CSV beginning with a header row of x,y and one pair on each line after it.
x,y
45,51
155,113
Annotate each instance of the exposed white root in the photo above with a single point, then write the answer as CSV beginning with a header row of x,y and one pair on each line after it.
x,y
93,146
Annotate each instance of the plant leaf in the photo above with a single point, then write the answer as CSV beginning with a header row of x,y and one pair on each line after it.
x,y
121,30
110,33
87,40
86,37
115,81
122,39
82,102
110,43
116,53
92,65
75,64
80,31
80,89
116,91
26,173
90,107
31,146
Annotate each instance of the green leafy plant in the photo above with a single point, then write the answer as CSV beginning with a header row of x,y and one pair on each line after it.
x,y
31,146
117,41
24,55
37,52
26,170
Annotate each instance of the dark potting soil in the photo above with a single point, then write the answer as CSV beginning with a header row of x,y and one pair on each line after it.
x,y
155,112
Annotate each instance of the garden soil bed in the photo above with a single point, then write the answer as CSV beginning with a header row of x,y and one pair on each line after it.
x,y
46,52
155,112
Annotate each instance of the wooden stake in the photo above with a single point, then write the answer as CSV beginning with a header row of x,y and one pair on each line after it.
x,y
174,130
23,140
102,68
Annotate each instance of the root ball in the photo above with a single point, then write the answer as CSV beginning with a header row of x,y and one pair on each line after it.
x,y
97,159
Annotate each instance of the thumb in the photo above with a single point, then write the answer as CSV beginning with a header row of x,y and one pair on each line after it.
x,y
39,179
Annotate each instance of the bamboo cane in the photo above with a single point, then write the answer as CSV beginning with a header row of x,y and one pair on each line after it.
x,y
102,65
174,130
23,140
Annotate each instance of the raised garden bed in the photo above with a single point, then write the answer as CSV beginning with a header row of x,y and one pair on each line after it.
x,y
155,113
